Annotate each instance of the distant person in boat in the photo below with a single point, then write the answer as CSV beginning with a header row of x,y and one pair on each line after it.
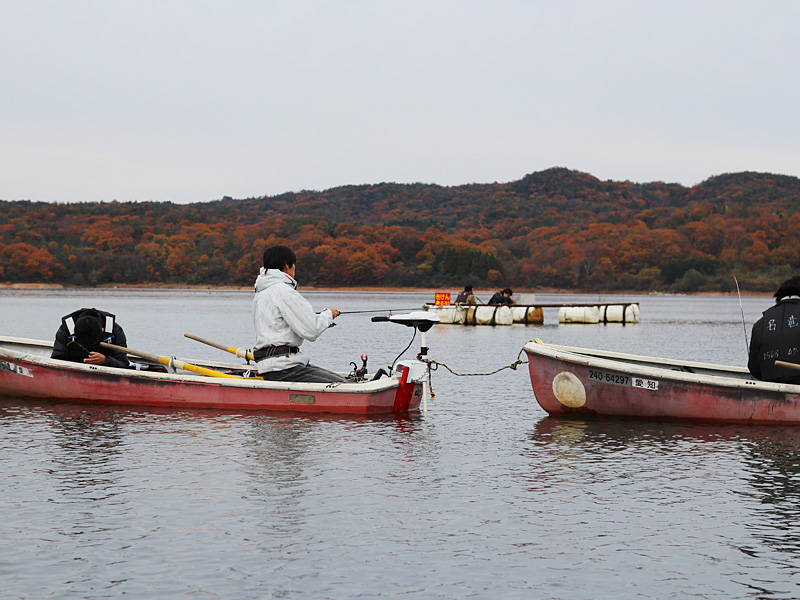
x,y
466,297
776,336
283,319
78,339
503,297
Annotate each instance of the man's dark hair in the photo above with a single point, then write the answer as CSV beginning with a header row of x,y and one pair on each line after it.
x,y
790,287
467,288
508,291
278,257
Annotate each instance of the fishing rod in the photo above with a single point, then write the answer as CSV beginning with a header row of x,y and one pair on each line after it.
x,y
355,312
746,343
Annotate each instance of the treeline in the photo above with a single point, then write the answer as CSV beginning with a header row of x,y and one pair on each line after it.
x,y
556,228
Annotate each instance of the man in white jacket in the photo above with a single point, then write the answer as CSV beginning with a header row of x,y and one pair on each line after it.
x,y
283,319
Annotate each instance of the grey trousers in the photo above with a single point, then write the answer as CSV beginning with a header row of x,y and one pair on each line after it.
x,y
307,374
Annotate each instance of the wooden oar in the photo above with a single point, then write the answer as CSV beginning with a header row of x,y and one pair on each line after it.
x,y
237,351
166,361
788,365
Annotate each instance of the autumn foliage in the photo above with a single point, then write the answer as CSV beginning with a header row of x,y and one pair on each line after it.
x,y
556,228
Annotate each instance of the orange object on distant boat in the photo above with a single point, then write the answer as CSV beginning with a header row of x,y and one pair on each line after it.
x,y
441,298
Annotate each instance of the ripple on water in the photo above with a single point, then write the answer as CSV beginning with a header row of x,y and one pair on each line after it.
x,y
483,498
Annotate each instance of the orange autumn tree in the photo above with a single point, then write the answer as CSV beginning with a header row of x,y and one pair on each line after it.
x,y
556,228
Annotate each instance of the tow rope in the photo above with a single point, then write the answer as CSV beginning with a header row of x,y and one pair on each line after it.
x,y
434,365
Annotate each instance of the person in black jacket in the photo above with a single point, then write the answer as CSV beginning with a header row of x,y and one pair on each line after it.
x,y
78,339
503,297
776,336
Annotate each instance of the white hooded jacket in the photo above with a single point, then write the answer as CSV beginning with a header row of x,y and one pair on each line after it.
x,y
282,317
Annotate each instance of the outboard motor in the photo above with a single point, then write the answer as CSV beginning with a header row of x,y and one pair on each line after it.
x,y
418,371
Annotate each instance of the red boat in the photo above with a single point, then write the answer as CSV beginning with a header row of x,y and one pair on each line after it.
x,y
26,371
581,382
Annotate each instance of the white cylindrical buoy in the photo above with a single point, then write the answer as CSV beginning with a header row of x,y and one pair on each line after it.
x,y
491,314
619,313
527,314
579,314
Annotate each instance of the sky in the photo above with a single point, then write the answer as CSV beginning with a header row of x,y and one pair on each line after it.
x,y
190,101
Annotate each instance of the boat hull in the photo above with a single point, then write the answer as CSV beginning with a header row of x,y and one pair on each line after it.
x,y
26,375
582,383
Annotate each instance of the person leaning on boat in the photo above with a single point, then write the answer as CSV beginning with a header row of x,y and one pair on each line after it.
x,y
776,336
283,319
79,336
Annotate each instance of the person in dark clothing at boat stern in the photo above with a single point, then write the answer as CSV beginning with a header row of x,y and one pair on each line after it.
x,y
776,336
503,297
78,339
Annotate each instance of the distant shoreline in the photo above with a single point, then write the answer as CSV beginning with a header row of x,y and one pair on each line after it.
x,y
247,288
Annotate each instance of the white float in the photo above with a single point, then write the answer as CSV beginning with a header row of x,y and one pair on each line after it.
x,y
604,313
492,314
619,313
527,314
579,314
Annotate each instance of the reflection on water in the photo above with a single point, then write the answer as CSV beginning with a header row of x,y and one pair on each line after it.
x,y
729,486
771,458
486,497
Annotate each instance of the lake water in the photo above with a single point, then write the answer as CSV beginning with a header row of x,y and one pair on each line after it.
x,y
483,497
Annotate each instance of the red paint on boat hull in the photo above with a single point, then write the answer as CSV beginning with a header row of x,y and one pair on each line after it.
x,y
407,393
33,379
674,395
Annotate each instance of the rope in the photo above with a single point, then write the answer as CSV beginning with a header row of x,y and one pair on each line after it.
x,y
434,365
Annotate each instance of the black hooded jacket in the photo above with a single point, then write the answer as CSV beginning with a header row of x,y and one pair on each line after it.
x,y
67,347
776,336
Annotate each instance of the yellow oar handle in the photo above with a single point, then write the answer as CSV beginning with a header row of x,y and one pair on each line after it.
x,y
166,361
237,351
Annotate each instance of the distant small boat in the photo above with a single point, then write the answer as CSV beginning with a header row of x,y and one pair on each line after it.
x,y
581,382
27,371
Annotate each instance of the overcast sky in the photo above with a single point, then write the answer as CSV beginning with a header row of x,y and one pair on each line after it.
x,y
191,101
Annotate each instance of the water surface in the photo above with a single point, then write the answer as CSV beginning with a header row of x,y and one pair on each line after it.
x,y
484,497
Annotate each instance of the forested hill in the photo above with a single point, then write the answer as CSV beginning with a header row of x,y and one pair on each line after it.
x,y
555,228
